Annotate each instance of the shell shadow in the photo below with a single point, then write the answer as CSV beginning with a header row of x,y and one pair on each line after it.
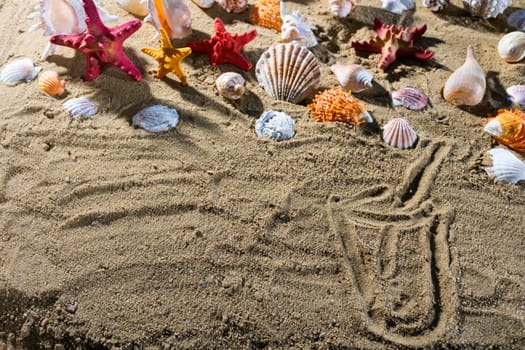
x,y
228,18
376,95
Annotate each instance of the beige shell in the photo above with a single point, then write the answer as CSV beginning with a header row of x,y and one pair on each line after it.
x,y
135,7
50,83
353,77
512,47
230,85
233,6
466,86
288,72
205,4
342,8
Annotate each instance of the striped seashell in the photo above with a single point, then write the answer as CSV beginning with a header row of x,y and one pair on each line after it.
x,y
50,83
266,13
230,85
466,86
486,8
295,28
398,133
353,77
435,5
508,128
135,7
275,125
172,15
157,118
517,94
410,98
336,105
397,6
81,106
342,8
18,70
512,47
205,4
506,166
233,6
517,20
288,72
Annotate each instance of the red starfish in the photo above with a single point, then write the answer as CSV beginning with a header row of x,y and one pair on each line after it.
x,y
393,42
223,47
101,45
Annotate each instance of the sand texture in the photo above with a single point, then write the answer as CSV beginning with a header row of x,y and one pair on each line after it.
x,y
208,237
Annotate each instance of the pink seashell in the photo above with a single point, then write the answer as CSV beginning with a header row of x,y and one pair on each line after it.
x,y
398,133
410,98
517,94
233,6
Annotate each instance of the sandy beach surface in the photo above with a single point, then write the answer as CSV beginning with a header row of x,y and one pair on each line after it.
x,y
209,237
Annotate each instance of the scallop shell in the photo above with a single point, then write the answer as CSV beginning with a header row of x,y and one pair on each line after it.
x,y
410,98
205,4
397,6
135,7
275,125
486,8
342,8
230,85
336,105
233,6
398,133
157,118
506,166
81,106
435,5
512,47
353,77
172,15
517,20
508,128
295,28
50,83
517,94
288,72
266,13
18,70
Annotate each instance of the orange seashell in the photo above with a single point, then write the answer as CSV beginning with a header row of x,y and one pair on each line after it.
x,y
508,128
50,83
336,105
266,13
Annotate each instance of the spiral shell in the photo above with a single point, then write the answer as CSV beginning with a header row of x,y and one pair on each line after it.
x,y
205,4
275,125
81,106
233,6
508,128
517,20
336,105
50,83
466,86
342,8
486,8
506,166
230,85
266,13
398,133
157,118
435,5
512,47
135,7
295,28
288,72
18,70
353,77
410,98
517,94
397,6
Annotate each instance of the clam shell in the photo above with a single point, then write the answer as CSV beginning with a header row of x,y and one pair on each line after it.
x,y
466,86
486,8
517,20
18,70
398,133
397,6
288,72
233,6
174,14
295,29
275,125
512,47
81,106
435,5
517,94
205,4
50,83
410,98
135,7
230,85
353,77
157,118
342,8
506,166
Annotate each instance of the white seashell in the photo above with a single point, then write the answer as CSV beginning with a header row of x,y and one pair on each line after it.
x,y
275,125
512,47
506,166
174,13
157,118
410,98
466,86
230,85
233,6
295,29
135,7
517,94
342,8
81,106
517,20
397,6
353,77
205,4
288,72
494,127
486,8
398,133
18,70
435,5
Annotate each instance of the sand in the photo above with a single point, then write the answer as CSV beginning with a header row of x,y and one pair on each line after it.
x,y
209,237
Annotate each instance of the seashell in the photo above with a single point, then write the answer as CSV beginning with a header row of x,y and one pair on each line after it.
x,y
295,29
512,47
336,105
435,5
398,133
230,85
81,106
517,94
50,83
466,86
275,125
342,8
486,8
288,72
517,20
353,77
508,128
172,15
410,98
18,70
205,4
397,6
233,6
135,7
506,166
157,118
266,13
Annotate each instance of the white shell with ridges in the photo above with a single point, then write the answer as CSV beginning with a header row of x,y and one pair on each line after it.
x,y
177,15
342,8
410,98
517,94
466,86
233,6
512,47
398,133
397,6
435,5
157,118
494,128
135,7
486,8
275,125
230,85
295,28
517,20
18,70
353,77
81,106
506,166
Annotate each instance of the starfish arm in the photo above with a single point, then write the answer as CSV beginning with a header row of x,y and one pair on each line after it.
x,y
124,30
219,25
371,45
241,62
388,56
165,40
244,38
93,22
380,28
205,47
161,72
70,40
416,33
416,52
93,68
125,64
174,66
157,54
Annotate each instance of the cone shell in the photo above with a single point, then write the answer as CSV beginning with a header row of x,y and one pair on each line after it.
x,y
517,20
288,72
517,94
512,47
336,105
81,106
135,7
435,5
508,128
410,98
342,8
266,13
506,166
353,77
233,6
18,70
230,85
275,125
398,133
486,8
466,86
50,83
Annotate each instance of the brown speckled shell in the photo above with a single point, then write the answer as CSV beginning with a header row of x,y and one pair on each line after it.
x,y
50,83
266,13
336,105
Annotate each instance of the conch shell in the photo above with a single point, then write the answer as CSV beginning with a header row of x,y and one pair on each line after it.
x,y
466,86
172,15
342,8
512,47
295,29
353,77
50,83
266,13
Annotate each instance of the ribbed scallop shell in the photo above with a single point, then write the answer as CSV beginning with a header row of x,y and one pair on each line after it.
x,y
342,8
517,20
266,13
466,86
397,6
353,77
233,6
288,72
18,70
398,133
205,4
50,83
486,8
230,85
275,125
157,118
135,7
512,47
435,5
517,94
336,105
410,98
173,15
508,128
81,106
506,166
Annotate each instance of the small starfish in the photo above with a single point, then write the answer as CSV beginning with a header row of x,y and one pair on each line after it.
x,y
101,45
394,42
169,58
223,47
